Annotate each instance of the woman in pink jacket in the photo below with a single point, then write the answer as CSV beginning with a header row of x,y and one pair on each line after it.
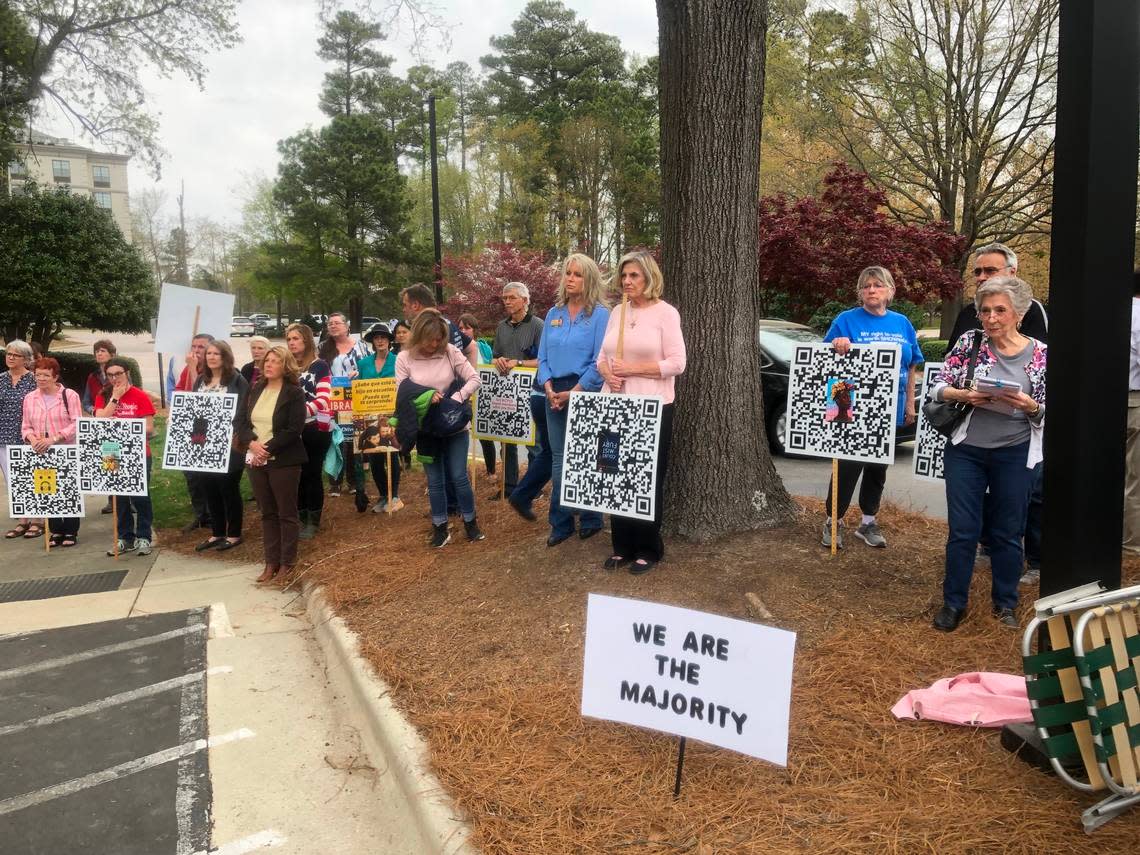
x,y
51,414
653,355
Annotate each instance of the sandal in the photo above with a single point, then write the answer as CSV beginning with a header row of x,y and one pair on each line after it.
x,y
641,565
615,561
18,531
33,531
68,540
228,544
56,540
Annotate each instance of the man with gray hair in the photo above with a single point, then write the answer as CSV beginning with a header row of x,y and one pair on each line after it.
x,y
516,345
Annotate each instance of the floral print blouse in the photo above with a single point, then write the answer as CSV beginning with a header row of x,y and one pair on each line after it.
x,y
12,405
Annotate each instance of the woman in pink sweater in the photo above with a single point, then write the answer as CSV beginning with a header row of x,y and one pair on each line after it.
x,y
430,360
653,355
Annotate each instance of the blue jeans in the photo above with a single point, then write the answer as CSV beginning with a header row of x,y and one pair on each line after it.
x,y
562,521
450,466
969,471
135,514
538,470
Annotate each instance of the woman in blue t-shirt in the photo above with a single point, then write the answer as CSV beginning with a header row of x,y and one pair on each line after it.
x,y
873,323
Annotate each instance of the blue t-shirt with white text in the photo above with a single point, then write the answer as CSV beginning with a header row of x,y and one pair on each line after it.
x,y
862,327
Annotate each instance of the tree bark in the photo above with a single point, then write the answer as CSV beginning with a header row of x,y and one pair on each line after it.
x,y
721,479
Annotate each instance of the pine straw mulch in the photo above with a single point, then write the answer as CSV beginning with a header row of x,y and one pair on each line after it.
x,y
482,646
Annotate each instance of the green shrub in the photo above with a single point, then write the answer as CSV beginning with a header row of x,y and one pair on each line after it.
x,y
934,349
74,366
825,314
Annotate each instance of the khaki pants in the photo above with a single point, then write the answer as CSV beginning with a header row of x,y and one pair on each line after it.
x,y
1132,475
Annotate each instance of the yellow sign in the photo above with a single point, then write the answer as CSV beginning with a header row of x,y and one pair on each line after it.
x,y
374,396
43,482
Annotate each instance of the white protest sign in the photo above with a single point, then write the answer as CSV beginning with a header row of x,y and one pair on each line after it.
x,y
177,309
723,681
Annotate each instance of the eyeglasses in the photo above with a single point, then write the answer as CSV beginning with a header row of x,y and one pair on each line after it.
x,y
113,374
989,271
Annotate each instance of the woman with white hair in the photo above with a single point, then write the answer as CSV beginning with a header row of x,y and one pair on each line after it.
x,y
567,356
16,383
872,323
258,347
995,447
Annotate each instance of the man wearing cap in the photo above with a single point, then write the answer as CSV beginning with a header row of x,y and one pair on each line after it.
x,y
379,364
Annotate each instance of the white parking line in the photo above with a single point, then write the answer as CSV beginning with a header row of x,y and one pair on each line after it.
x,y
104,703
261,840
95,652
139,764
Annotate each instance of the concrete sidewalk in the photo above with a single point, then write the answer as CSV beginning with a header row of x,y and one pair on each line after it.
x,y
304,783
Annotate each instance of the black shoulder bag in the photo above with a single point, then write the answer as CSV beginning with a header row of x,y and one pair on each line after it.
x,y
945,416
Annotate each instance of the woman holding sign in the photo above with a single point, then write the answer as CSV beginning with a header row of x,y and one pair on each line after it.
x,y
16,384
642,354
995,447
567,362
872,322
51,414
223,489
317,436
271,425
379,364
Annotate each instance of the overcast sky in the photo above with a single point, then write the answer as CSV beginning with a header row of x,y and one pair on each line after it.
x,y
266,89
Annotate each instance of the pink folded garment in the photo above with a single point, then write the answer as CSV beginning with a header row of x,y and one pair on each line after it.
x,y
978,699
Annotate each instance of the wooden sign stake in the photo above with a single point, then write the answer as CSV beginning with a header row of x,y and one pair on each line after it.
x,y
47,535
834,505
388,453
503,471
115,523
680,765
197,314
621,329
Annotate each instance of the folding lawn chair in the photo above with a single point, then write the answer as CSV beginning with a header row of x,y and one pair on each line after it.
x,y
1083,693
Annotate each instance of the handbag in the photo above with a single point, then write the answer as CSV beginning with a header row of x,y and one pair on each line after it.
x,y
945,416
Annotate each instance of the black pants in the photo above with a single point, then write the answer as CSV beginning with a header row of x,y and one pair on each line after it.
x,y
870,491
378,463
311,489
488,455
633,538
197,490
223,497
348,471
64,526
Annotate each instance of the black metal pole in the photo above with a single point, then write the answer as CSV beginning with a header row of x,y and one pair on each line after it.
x,y
680,765
435,204
161,382
1093,236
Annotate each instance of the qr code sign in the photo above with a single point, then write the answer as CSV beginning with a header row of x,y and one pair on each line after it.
x,y
44,485
502,405
929,444
610,462
199,432
843,406
112,456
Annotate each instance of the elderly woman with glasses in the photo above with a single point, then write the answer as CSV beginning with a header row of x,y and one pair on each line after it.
x,y
995,448
16,383
51,414
872,323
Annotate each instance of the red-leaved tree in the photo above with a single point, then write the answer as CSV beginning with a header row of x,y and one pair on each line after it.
x,y
476,282
812,249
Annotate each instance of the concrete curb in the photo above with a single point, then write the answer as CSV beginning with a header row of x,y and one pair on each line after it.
x,y
388,735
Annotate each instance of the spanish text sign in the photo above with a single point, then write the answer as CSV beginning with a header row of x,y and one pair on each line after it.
x,y
723,681
374,396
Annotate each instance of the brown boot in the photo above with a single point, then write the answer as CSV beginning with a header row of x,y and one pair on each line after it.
x,y
268,573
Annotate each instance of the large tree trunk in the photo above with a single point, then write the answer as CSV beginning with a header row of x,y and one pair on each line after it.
x,y
721,478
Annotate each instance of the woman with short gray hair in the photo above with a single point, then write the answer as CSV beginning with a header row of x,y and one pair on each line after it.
x,y
996,446
16,383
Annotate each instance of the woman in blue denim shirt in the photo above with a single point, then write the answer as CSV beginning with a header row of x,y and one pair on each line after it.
x,y
567,356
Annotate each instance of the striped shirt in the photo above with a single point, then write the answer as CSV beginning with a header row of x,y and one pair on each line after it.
x,y
315,384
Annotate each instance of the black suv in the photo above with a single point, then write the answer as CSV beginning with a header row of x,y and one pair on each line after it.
x,y
777,340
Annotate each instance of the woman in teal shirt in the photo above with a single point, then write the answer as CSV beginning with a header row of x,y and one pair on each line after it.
x,y
379,364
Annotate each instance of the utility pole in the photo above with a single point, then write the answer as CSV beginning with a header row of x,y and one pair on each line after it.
x,y
435,204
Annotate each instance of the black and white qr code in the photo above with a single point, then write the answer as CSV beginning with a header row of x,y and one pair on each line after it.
x,y
112,456
929,444
199,432
610,462
502,405
44,485
843,406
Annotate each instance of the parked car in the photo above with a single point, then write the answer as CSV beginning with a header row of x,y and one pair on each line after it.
x,y
242,326
261,320
777,340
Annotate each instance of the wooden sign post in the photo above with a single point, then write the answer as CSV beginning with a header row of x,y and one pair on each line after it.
x,y
115,523
834,505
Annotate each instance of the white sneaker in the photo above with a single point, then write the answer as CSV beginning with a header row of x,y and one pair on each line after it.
x,y
142,546
380,507
870,535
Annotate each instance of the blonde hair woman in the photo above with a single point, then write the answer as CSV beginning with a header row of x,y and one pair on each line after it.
x,y
567,363
315,383
251,371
